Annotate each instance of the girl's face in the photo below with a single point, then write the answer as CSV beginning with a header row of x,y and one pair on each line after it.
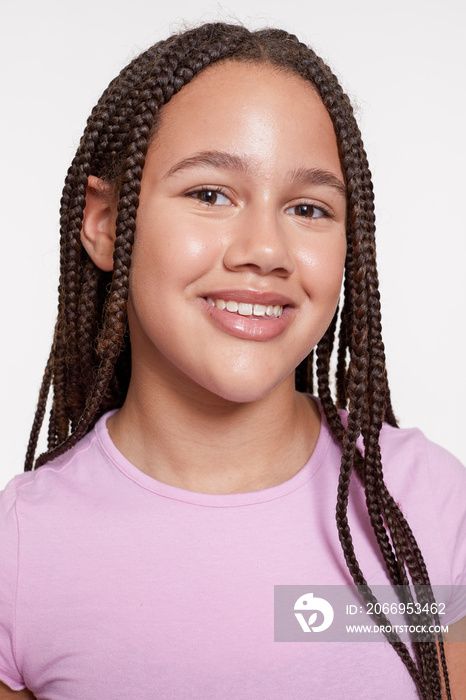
x,y
240,243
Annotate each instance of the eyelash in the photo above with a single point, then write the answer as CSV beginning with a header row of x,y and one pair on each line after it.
x,y
326,214
217,190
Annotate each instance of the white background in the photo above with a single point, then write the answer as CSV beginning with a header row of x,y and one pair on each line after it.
x,y
402,63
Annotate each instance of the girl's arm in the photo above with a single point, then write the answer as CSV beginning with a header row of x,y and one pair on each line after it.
x,y
7,694
455,652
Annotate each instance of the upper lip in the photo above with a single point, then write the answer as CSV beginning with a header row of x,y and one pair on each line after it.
x,y
251,296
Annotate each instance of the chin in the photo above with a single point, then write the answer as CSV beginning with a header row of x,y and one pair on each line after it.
x,y
245,389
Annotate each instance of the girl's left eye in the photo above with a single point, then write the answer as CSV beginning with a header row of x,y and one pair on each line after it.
x,y
210,195
308,211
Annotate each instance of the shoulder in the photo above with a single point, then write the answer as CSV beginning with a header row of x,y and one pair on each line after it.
x,y
411,461
413,464
69,473
427,481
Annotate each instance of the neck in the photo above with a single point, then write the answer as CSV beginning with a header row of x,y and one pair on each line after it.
x,y
207,444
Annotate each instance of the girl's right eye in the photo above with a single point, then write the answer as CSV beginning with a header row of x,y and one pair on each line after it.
x,y
210,195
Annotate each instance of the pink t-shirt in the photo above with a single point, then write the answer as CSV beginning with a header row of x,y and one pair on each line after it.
x,y
114,585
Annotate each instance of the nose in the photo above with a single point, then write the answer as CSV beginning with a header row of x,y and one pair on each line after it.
x,y
258,243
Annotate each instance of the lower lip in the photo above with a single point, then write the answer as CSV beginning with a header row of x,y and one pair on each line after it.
x,y
248,327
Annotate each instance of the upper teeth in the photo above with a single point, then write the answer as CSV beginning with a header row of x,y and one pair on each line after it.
x,y
247,309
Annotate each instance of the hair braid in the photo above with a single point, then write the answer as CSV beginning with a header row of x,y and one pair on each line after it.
x,y
40,413
337,427
374,483
341,373
87,328
359,424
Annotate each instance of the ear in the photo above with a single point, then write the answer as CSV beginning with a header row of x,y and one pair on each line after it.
x,y
98,229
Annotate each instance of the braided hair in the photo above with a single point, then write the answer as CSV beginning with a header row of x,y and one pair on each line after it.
x,y
90,361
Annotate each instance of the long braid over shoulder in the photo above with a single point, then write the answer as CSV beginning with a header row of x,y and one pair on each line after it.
x,y
90,362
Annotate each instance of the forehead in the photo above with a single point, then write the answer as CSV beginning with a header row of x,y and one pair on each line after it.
x,y
251,109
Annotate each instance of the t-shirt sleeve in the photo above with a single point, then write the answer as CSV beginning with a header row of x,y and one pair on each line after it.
x,y
9,673
448,484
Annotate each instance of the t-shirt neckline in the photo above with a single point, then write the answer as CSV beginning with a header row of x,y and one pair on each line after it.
x,y
149,483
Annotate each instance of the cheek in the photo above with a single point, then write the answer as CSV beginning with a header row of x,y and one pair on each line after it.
x,y
322,269
322,273
171,249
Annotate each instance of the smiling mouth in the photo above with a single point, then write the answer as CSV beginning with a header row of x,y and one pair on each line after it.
x,y
268,311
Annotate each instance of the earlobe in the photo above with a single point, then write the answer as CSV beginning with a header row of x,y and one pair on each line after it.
x,y
98,229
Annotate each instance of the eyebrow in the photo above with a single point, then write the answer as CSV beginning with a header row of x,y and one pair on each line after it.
x,y
316,176
230,161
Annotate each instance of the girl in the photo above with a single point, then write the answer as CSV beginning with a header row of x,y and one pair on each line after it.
x,y
218,201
